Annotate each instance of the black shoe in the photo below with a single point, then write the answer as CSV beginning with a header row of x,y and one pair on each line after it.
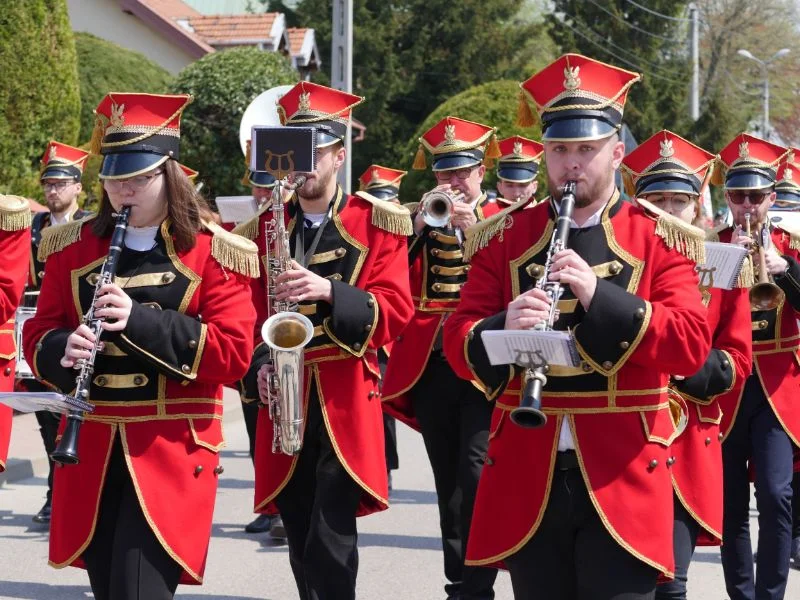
x,y
43,516
277,531
260,524
389,476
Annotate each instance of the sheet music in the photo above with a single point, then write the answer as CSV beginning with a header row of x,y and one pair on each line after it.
x,y
27,402
236,209
722,266
516,347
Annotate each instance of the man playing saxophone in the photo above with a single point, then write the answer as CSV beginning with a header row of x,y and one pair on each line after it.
x,y
581,508
349,276
421,389
761,425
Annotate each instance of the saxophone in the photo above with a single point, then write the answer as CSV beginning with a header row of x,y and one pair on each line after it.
x,y
66,453
286,333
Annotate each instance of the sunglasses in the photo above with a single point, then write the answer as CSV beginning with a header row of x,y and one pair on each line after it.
x,y
755,198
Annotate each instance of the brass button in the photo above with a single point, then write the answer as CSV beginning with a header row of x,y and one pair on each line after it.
x,y
371,394
607,365
708,441
138,380
725,364
38,345
93,278
763,324
434,235
624,345
186,368
198,469
7,371
199,318
435,252
467,268
670,461
192,344
368,327
614,268
40,274
653,464
471,334
720,436
339,252
586,367
219,470
370,302
437,287
639,314
356,346
435,269
101,380
168,278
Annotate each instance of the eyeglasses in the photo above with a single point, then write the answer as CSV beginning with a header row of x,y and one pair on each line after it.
x,y
56,185
755,198
677,201
448,175
137,184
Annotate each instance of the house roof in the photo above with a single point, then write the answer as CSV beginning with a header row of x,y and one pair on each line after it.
x,y
219,30
303,46
173,9
158,14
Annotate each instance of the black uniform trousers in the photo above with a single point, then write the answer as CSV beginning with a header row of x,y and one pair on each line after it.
x,y
250,413
125,560
684,539
572,556
318,507
389,424
796,505
758,436
454,418
48,428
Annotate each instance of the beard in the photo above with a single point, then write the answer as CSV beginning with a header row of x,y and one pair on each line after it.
x,y
316,188
585,192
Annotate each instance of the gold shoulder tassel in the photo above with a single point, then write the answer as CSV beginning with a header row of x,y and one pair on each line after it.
x,y
15,213
479,235
96,141
747,276
411,206
233,252
58,237
248,229
686,239
390,217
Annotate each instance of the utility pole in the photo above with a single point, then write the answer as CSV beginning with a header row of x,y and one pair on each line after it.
x,y
694,97
342,69
764,64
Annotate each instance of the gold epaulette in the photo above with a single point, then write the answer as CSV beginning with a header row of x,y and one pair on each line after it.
x,y
15,213
683,237
57,237
411,206
232,251
747,277
794,237
388,216
479,235
249,229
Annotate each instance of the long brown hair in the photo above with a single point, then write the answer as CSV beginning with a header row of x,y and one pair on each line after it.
x,y
183,209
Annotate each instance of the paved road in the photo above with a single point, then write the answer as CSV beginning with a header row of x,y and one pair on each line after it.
x,y
400,556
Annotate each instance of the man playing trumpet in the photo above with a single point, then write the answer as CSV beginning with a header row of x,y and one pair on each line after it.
x,y
763,424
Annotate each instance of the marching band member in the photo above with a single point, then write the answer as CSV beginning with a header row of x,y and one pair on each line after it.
x,y
670,173
384,183
62,168
350,279
15,237
421,389
136,511
517,168
761,424
582,507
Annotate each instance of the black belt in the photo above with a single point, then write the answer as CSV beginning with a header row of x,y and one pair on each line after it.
x,y
567,460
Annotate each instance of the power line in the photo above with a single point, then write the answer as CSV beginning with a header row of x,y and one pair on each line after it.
x,y
622,60
657,14
632,26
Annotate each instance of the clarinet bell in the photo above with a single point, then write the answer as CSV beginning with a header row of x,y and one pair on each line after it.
x,y
529,414
528,417
66,453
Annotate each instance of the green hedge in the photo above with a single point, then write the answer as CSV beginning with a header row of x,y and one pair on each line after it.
x,y
493,103
39,98
106,67
223,84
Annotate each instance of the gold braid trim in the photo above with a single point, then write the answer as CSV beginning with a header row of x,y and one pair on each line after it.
x,y
57,237
479,235
232,251
747,276
15,213
390,217
248,229
686,239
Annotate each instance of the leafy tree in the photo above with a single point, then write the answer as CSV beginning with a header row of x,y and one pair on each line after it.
x,y
493,103
39,97
106,67
223,84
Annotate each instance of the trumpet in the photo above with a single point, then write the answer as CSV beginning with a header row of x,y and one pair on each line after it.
x,y
764,295
437,208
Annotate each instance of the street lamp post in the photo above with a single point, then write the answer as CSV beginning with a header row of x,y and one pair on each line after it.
x,y
764,64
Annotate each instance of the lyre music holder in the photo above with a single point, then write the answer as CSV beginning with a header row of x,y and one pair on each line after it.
x,y
283,150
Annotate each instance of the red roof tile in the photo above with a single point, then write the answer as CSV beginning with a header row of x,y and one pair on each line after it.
x,y
172,9
222,29
297,36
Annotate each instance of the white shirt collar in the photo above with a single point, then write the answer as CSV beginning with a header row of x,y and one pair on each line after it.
x,y
591,221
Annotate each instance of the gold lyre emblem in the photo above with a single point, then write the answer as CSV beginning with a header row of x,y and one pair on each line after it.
x,y
304,103
744,150
706,275
571,79
517,148
52,154
117,118
666,148
279,165
450,133
787,174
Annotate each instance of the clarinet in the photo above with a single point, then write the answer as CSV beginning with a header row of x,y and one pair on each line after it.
x,y
66,453
529,413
